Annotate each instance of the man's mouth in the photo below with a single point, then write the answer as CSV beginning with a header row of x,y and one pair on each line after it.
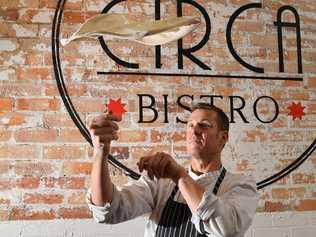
x,y
196,141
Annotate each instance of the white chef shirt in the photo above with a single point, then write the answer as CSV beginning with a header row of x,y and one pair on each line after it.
x,y
229,213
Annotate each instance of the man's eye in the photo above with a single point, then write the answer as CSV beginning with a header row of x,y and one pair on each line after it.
x,y
205,125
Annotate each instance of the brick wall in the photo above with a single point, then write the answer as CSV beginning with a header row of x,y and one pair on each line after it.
x,y
44,160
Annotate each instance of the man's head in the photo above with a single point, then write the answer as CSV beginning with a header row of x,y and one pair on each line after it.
x,y
207,131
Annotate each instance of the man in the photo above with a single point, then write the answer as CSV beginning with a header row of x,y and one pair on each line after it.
x,y
203,200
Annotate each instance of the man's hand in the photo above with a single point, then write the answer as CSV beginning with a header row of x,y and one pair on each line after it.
x,y
161,165
103,129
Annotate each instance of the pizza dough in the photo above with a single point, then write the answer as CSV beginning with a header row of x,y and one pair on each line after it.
x,y
117,25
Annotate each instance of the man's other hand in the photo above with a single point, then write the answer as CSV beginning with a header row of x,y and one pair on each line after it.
x,y
161,165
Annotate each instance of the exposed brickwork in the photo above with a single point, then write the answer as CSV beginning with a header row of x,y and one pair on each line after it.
x,y
44,156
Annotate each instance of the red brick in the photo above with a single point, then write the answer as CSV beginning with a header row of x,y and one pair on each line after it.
x,y
301,178
287,136
13,4
157,136
306,205
248,26
126,78
309,68
292,84
255,135
35,73
36,135
71,168
38,104
13,89
298,94
74,213
12,119
19,151
278,94
72,90
4,215
6,104
287,193
311,108
39,198
33,168
48,4
274,206
9,15
132,136
77,197
310,56
5,135
31,214
64,182
74,58
5,29
35,59
79,73
5,184
266,42
70,5
4,167
36,16
313,160
73,17
64,152
57,120
70,135
28,182
311,82
89,105
98,91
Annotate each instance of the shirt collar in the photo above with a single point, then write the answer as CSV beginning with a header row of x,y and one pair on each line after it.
x,y
212,174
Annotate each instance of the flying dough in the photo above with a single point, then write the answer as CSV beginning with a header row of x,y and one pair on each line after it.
x,y
117,25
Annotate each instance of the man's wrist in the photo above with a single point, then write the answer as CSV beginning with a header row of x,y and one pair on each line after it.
x,y
180,174
99,153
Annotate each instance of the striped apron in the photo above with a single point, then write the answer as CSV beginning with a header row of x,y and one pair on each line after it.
x,y
175,219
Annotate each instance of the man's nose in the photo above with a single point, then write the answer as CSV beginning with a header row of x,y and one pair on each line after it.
x,y
196,129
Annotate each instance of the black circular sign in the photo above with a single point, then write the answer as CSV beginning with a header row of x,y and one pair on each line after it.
x,y
84,131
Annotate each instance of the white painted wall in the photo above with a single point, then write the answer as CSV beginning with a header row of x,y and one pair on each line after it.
x,y
285,224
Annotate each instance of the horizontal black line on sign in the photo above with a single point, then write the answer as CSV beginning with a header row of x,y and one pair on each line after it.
x,y
205,75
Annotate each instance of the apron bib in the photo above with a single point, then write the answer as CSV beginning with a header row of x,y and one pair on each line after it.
x,y
175,220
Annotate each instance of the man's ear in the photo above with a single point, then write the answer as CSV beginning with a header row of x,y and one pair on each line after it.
x,y
224,137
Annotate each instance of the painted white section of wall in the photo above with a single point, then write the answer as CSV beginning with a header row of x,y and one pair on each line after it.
x,y
285,224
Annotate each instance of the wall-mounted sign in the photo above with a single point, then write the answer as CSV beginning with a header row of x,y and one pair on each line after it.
x,y
236,103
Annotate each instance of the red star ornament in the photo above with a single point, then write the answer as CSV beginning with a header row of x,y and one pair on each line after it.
x,y
117,108
296,110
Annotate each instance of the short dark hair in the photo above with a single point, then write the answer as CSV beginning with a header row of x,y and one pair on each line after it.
x,y
222,119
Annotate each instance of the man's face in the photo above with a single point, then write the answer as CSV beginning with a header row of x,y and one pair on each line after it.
x,y
203,137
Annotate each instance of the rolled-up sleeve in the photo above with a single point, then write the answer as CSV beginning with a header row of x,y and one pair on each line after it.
x,y
230,213
129,201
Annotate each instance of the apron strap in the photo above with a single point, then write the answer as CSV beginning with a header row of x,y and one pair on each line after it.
x,y
215,190
219,181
